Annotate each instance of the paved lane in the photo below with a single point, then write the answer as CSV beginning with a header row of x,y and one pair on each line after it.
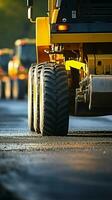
x,y
91,124
13,121
53,168
13,117
80,174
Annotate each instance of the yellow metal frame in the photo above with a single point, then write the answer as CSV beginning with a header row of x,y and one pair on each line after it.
x,y
42,31
80,37
54,15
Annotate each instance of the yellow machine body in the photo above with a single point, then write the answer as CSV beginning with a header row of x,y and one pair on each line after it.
x,y
45,39
82,50
42,38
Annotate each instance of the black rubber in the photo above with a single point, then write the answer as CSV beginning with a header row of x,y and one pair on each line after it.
x,y
30,97
54,100
36,87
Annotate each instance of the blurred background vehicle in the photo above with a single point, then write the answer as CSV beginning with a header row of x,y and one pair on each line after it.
x,y
18,66
5,83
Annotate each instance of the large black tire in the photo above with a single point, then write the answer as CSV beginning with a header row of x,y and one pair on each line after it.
x,y
30,97
18,89
36,87
54,100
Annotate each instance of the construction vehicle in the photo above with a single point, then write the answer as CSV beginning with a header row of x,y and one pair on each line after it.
x,y
18,66
5,84
74,63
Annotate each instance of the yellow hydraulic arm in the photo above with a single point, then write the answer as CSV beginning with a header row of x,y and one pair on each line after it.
x,y
75,64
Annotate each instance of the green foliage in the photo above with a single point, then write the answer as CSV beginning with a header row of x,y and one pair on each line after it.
x,y
13,20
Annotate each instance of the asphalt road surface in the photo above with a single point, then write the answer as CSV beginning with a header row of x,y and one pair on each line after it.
x,y
32,167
